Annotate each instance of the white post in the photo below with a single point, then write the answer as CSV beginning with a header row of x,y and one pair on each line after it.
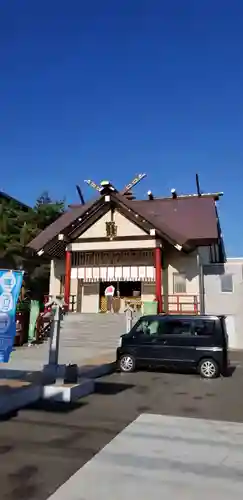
x,y
54,338
51,369
129,315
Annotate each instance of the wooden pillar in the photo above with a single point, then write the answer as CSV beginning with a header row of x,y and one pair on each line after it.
x,y
158,278
68,263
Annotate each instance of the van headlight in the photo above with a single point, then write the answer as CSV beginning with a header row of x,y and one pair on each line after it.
x,y
119,342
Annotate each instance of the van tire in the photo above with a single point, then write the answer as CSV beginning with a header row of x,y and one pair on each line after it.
x,y
126,363
208,368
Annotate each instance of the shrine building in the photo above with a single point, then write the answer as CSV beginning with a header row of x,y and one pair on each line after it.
x,y
154,249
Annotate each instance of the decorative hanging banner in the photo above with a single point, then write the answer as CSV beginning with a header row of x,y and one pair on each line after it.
x,y
10,286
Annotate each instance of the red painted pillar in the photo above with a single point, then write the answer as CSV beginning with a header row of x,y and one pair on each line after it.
x,y
158,278
68,262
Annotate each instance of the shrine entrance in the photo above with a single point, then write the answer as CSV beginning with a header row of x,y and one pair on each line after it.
x,y
125,293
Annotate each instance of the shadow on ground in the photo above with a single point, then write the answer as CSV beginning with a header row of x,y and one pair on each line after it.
x,y
51,406
45,406
111,388
25,375
183,371
56,406
231,371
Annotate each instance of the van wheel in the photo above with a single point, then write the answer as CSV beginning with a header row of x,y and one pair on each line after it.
x,y
127,363
208,368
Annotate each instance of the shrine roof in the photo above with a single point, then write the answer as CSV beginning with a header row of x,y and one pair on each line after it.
x,y
187,221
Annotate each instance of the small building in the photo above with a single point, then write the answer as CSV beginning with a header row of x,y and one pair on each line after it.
x,y
223,285
153,249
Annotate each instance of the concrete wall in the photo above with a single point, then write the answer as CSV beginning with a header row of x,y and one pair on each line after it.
x,y
148,291
227,303
219,302
57,270
124,227
85,246
183,263
178,262
90,299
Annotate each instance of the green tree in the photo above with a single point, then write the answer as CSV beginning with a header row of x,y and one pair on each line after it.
x,y
18,227
47,210
12,230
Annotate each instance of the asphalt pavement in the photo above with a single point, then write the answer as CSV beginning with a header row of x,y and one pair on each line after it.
x,y
42,446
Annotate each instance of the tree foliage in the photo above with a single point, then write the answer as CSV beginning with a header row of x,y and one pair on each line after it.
x,y
47,211
18,226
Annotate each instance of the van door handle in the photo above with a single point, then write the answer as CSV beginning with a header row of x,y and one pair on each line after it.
x,y
164,342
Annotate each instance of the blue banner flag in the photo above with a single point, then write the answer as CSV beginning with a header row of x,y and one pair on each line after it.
x,y
10,286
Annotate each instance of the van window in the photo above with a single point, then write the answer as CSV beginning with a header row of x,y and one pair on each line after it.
x,y
176,327
204,327
147,327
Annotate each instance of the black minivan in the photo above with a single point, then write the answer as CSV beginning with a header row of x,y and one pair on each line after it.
x,y
199,342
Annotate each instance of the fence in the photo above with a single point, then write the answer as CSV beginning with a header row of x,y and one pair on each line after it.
x,y
171,304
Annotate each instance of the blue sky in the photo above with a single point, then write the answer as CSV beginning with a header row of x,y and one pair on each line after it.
x,y
106,89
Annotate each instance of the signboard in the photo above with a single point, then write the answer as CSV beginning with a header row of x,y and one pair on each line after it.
x,y
10,285
114,258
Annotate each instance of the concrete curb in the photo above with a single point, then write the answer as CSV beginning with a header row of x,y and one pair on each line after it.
x,y
90,371
19,393
72,392
18,398
68,392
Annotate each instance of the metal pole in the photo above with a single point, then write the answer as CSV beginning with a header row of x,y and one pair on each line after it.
x,y
55,337
201,284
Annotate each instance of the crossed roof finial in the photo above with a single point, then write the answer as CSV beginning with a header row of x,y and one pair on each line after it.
x,y
105,183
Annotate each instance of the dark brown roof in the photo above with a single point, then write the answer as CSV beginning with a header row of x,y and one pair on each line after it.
x,y
185,221
194,217
168,231
62,223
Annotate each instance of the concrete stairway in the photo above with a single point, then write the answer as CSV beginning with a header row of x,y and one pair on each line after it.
x,y
89,335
